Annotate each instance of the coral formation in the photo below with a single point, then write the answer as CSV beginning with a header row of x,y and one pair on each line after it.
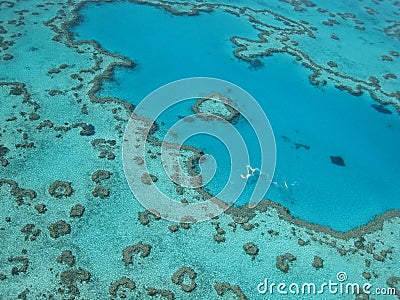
x,y
219,238
393,282
19,193
101,192
59,189
77,211
41,208
105,147
162,293
239,218
71,278
282,261
23,268
67,258
144,216
148,178
100,175
251,249
223,288
59,228
179,278
318,262
30,233
337,160
139,248
3,151
214,105
173,228
122,282
382,109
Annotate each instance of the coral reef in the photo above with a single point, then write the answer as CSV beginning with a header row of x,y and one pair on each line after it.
x,y
107,151
173,228
105,147
100,175
67,258
122,282
318,262
223,288
139,248
18,192
23,268
382,109
216,105
179,278
162,293
144,216
219,238
282,261
77,211
30,233
148,178
251,249
60,189
71,278
101,192
337,160
393,282
87,129
3,151
41,208
59,228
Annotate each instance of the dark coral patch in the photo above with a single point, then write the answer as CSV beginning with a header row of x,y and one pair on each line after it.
x,y
59,228
71,278
41,208
251,249
179,278
21,269
77,211
123,282
61,189
101,192
139,248
67,258
100,175
282,261
223,288
382,109
338,160
165,294
318,262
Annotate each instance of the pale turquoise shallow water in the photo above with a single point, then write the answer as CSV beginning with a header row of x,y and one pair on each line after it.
x,y
332,123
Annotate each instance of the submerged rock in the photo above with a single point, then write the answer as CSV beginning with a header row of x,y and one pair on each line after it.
x,y
338,160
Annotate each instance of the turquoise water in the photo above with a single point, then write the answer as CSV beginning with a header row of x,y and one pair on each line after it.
x,y
325,121
44,84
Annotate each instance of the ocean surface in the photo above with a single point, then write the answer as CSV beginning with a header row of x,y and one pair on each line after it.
x,y
75,224
310,123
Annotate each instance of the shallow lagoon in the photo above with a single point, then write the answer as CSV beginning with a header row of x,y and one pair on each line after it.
x,y
310,123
